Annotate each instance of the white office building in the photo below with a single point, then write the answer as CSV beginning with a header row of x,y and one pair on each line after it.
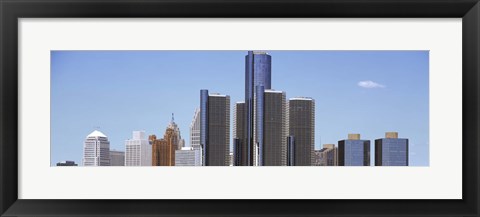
x,y
96,150
188,156
195,129
138,152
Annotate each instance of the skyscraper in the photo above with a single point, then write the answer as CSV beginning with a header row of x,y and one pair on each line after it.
x,y
117,158
138,152
215,128
353,151
273,149
195,128
327,156
160,151
258,76
163,150
240,147
180,142
96,150
391,150
195,143
301,125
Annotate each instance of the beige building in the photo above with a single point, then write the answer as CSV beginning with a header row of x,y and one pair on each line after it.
x,y
327,156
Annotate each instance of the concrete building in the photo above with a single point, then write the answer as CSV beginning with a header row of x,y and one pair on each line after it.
x,y
391,150
215,128
327,156
188,157
96,150
301,127
138,152
353,151
117,158
195,128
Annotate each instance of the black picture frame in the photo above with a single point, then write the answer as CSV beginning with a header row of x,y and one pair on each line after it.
x,y
12,10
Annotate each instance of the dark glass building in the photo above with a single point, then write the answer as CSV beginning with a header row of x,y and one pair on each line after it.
x,y
66,163
204,123
290,151
258,76
353,151
301,124
240,146
215,128
273,149
391,150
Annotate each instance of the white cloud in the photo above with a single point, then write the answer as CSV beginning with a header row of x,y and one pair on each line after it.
x,y
370,84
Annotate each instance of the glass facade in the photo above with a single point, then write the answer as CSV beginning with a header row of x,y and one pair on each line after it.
x,y
302,126
290,151
240,154
257,73
236,152
204,122
259,119
354,153
218,142
274,135
391,152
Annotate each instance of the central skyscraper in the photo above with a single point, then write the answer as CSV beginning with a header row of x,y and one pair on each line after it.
x,y
258,78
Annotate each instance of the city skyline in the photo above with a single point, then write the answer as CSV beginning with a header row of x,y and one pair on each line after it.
x,y
412,95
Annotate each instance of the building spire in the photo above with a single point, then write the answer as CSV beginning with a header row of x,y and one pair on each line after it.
x,y
173,118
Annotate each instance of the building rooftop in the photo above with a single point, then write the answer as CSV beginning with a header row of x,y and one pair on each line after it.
x,y
96,133
301,98
217,94
260,52
273,91
353,136
323,149
391,135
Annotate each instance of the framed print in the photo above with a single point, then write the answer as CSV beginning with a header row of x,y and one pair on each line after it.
x,y
180,108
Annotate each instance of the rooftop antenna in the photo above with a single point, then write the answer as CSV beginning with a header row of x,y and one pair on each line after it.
x,y
172,118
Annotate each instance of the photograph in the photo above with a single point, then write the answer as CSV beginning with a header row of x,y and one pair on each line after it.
x,y
239,108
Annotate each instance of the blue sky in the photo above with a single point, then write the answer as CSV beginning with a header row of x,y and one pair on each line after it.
x,y
366,92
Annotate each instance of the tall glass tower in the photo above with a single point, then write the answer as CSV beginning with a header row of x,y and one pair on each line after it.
x,y
215,128
258,77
